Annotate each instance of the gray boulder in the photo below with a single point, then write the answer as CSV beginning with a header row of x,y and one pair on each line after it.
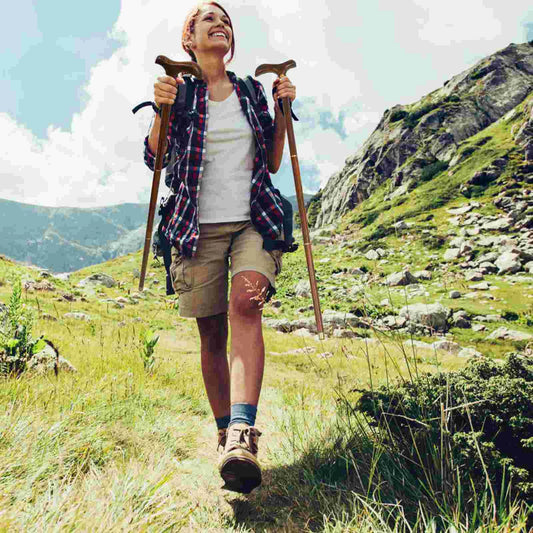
x,y
508,263
77,316
97,279
400,279
469,352
45,361
509,335
423,275
431,315
447,346
303,289
460,320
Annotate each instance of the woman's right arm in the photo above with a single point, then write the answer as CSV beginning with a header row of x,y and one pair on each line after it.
x,y
165,90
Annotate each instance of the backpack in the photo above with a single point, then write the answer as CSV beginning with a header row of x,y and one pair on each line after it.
x,y
161,245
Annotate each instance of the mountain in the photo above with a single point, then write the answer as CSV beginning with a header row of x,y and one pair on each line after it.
x,y
413,143
64,239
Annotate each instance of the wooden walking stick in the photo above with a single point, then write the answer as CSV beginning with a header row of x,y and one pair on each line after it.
x,y
172,68
280,70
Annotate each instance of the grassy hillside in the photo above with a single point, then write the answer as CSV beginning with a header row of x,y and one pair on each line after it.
x,y
113,448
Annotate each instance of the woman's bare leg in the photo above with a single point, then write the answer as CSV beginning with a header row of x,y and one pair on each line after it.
x,y
247,359
215,371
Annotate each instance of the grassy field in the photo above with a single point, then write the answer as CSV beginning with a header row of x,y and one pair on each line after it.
x,y
112,447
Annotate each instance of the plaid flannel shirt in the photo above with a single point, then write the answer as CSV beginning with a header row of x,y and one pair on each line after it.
x,y
187,135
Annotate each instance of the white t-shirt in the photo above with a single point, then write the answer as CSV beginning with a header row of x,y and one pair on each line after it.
x,y
226,181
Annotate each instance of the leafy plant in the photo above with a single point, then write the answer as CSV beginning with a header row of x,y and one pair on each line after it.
x,y
17,345
480,418
148,342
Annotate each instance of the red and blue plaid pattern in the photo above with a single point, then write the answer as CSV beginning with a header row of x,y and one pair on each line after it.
x,y
187,135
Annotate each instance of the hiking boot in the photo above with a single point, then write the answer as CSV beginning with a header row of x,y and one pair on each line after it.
x,y
222,437
239,466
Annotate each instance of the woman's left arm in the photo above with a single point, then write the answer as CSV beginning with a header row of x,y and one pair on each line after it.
x,y
283,87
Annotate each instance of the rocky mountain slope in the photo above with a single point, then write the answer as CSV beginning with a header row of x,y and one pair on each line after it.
x,y
420,139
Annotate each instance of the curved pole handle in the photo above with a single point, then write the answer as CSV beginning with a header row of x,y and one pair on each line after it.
x,y
279,69
174,68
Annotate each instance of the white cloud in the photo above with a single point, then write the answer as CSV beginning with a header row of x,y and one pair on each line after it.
x,y
98,159
457,21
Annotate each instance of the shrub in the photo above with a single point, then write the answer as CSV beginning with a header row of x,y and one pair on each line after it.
x,y
412,119
17,345
480,418
469,150
430,171
398,114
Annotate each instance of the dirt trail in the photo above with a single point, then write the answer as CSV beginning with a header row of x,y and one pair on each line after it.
x,y
197,479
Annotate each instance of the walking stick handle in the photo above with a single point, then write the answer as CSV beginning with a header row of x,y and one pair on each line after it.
x,y
280,69
172,68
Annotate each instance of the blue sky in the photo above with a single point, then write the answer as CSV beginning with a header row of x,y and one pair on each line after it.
x,y
72,71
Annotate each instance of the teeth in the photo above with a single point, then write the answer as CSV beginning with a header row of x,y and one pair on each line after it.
x,y
219,33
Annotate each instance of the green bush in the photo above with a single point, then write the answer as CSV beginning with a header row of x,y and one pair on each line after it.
x,y
430,171
480,419
398,114
412,119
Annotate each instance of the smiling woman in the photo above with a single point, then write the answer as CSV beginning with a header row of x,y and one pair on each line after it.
x,y
224,149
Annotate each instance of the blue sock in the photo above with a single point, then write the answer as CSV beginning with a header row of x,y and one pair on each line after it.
x,y
222,422
243,413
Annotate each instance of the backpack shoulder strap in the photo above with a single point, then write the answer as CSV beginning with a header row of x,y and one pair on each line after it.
x,y
247,87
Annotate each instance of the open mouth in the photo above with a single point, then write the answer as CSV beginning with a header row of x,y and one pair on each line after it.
x,y
218,34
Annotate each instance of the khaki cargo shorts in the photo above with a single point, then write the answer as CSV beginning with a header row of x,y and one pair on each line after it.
x,y
202,281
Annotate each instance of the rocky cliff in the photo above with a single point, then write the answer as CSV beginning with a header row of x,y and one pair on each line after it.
x,y
411,139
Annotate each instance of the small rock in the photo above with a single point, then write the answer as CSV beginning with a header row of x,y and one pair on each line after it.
x,y
448,346
423,275
344,334
487,318
432,315
479,327
488,268
47,316
45,361
460,320
451,253
508,263
77,316
98,279
509,334
302,332
372,255
418,344
400,279
483,286
303,289
469,352
501,224
474,276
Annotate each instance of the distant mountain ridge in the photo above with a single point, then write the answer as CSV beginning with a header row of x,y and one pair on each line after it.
x,y
63,239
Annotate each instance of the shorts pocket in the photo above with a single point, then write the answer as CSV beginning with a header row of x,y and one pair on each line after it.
x,y
180,274
277,255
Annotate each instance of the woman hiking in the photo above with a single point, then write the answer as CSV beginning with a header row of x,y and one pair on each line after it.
x,y
225,206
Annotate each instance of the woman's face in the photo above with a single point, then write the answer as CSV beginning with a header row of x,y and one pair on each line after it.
x,y
212,31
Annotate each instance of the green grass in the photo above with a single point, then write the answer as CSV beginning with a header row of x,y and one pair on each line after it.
x,y
116,446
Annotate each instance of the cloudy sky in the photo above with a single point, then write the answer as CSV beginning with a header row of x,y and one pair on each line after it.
x,y
72,70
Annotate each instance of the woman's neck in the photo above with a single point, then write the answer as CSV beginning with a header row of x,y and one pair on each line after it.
x,y
213,69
